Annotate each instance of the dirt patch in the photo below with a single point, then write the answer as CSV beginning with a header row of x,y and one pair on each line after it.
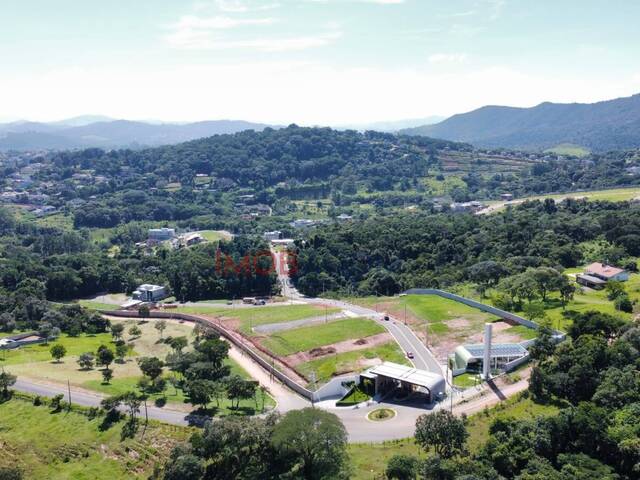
x,y
459,324
340,347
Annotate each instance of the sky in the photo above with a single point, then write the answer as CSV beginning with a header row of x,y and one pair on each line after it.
x,y
310,62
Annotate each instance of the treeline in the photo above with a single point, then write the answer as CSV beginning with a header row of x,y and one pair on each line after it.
x,y
388,254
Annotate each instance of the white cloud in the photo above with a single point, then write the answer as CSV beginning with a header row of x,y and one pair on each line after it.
x,y
447,58
384,2
285,92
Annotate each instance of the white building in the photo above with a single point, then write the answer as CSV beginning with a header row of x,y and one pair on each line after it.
x,y
161,234
150,293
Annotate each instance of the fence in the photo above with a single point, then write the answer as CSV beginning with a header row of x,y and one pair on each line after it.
x,y
293,385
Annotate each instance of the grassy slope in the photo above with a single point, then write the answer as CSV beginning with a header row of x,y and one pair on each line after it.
x,y
69,445
328,367
306,338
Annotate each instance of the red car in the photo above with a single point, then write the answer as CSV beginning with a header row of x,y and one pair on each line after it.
x,y
409,354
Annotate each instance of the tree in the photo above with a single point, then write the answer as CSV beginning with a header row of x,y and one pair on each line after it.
x,y
315,442
442,431
58,351
594,323
239,389
179,343
534,311
623,304
117,329
160,325
107,375
567,291
199,392
121,351
104,356
547,279
6,380
86,360
184,467
402,467
544,345
618,388
144,311
151,367
10,473
486,274
615,289
135,331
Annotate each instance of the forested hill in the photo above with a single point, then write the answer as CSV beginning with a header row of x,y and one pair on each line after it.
x,y
602,126
263,159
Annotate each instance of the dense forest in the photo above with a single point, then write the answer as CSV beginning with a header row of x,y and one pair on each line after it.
x,y
388,254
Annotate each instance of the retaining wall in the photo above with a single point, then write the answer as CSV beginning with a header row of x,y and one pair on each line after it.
x,y
308,394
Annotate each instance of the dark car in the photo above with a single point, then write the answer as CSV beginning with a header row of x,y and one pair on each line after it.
x,y
409,354
386,317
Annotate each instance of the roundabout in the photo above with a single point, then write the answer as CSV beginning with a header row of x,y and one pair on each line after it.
x,y
381,414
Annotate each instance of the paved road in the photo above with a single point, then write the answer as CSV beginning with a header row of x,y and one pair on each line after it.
x,y
406,338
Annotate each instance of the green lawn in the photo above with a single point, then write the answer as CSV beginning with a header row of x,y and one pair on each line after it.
x,y
466,380
40,352
329,367
306,338
67,445
212,235
90,304
569,149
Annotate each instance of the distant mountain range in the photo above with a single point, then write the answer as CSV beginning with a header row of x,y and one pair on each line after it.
x,y
97,131
393,125
602,126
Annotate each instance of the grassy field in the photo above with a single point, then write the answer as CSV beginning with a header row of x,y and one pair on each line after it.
x,y
57,220
466,380
93,305
326,368
569,149
305,338
370,460
250,317
68,445
213,235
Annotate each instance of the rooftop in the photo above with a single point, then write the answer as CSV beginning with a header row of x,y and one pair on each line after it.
x,y
432,381
603,270
497,350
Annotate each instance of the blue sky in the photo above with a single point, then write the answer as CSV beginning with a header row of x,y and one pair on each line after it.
x,y
310,61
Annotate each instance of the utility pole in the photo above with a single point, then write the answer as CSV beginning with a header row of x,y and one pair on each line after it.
x,y
326,319
405,312
312,377
69,390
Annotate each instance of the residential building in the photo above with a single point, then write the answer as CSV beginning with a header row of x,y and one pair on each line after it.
x,y
597,275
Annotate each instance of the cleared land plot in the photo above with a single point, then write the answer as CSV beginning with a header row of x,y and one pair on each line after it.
x,y
214,235
347,362
307,338
68,445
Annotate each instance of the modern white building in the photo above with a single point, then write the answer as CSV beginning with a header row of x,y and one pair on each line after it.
x,y
150,293
275,235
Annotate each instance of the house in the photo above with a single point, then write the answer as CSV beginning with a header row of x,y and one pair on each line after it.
x,y
607,272
472,206
343,217
275,235
150,293
597,275
161,234
285,242
189,239
303,223
507,197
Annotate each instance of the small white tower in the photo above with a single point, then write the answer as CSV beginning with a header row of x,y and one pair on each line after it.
x,y
486,362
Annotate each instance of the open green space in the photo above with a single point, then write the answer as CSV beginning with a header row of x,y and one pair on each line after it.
x,y
39,352
466,380
93,305
355,396
65,445
306,338
569,149
212,235
328,367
